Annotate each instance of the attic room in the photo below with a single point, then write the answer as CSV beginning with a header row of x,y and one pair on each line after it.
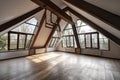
x,y
59,40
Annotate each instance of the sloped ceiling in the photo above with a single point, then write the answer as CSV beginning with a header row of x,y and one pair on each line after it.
x,y
10,9
112,6
100,23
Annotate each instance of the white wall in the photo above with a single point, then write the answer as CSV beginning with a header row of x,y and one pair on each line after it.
x,y
13,54
114,51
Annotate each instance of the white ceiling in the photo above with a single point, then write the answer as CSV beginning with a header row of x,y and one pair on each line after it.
x,y
112,6
10,9
95,20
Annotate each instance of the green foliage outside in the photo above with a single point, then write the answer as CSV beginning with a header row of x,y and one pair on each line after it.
x,y
3,43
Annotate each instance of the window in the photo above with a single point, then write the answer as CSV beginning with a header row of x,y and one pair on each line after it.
x,y
104,42
54,40
68,37
20,37
90,38
4,42
13,41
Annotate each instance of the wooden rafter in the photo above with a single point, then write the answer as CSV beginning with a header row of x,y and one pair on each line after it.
x,y
103,15
19,19
53,8
39,28
52,32
106,33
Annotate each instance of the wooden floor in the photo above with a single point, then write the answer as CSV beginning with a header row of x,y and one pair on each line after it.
x,y
60,66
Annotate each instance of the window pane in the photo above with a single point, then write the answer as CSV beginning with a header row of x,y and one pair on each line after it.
x,y
94,41
32,21
82,41
25,28
86,29
13,41
75,45
28,40
88,41
68,42
78,22
64,42
69,26
21,41
4,42
71,41
103,42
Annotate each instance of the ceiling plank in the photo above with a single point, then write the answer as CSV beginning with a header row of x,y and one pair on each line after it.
x,y
103,15
101,30
53,8
19,19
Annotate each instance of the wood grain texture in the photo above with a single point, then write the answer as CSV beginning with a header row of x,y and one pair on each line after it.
x,y
60,66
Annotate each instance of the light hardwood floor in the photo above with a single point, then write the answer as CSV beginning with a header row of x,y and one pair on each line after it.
x,y
60,66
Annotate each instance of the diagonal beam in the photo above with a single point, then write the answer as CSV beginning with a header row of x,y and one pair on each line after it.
x,y
106,33
52,32
103,15
18,19
39,28
53,8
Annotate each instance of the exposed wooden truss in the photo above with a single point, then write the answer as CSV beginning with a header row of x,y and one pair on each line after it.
x,y
18,19
106,33
53,8
105,16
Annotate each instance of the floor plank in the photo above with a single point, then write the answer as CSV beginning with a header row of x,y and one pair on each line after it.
x,y
60,66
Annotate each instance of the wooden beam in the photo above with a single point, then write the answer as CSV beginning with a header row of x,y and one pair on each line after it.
x,y
54,9
76,36
19,19
74,30
101,30
39,28
52,32
103,15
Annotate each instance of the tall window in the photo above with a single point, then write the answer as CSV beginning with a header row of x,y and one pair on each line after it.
x,y
4,42
54,40
20,37
68,37
90,38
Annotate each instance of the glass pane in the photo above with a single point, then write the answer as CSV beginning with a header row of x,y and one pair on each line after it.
x,y
13,41
82,41
25,28
32,21
83,24
69,26
94,41
21,41
55,34
86,29
75,45
64,42
55,43
4,42
104,44
79,22
28,40
68,41
88,41
71,41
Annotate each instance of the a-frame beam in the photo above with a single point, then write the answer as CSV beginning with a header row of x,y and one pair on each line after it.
x,y
53,8
106,33
52,32
103,15
19,19
39,28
